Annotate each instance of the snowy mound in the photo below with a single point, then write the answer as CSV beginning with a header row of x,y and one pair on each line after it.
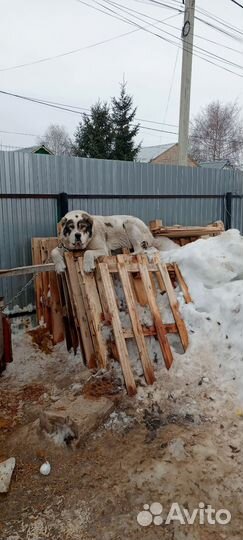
x,y
213,271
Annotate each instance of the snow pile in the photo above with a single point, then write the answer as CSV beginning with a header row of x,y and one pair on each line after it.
x,y
213,271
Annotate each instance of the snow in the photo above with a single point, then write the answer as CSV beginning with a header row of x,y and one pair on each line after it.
x,y
213,271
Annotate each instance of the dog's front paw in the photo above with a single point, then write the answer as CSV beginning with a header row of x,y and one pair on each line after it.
x,y
60,267
89,262
57,258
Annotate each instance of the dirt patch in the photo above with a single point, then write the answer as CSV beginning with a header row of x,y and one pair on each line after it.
x,y
178,441
41,337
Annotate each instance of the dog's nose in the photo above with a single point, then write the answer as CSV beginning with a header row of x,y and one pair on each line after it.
x,y
77,236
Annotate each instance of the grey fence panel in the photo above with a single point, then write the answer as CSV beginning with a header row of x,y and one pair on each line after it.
x,y
175,211
31,173
20,220
27,174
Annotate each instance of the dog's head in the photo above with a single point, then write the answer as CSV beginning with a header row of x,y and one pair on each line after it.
x,y
75,230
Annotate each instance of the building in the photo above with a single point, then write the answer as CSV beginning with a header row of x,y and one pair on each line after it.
x,y
163,154
218,164
40,149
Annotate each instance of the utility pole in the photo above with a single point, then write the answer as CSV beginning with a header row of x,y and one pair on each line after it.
x,y
186,74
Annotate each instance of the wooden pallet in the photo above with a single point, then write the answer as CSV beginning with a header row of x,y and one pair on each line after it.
x,y
183,235
48,304
94,303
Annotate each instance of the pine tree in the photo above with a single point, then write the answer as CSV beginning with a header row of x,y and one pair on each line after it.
x,y
94,135
123,114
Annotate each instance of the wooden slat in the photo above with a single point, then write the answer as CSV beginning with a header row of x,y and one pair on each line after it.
x,y
103,300
45,247
87,344
155,224
36,257
93,361
24,270
95,309
183,232
68,336
173,303
139,289
55,303
131,264
136,325
69,313
161,333
170,328
117,329
182,284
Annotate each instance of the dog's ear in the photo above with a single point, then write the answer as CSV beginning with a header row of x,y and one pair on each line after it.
x,y
87,217
60,225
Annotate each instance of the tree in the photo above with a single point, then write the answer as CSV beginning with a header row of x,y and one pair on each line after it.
x,y
94,135
217,133
123,115
57,139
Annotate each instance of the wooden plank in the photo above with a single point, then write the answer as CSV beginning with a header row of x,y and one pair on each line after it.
x,y
173,303
183,232
93,360
103,300
69,314
22,270
79,307
55,302
182,284
131,264
36,257
155,224
117,329
161,333
67,331
140,290
170,328
46,292
96,313
136,325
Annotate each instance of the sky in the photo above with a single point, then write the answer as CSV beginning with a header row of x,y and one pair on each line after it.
x,y
31,31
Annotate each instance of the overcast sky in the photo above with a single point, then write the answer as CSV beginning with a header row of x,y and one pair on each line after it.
x,y
31,30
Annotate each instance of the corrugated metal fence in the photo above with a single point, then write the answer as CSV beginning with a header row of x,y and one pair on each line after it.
x,y
30,185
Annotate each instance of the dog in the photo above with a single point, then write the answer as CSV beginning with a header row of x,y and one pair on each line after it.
x,y
98,236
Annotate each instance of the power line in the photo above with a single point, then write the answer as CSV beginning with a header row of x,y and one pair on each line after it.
x,y
50,104
222,22
67,53
73,51
237,3
19,133
205,55
205,51
69,108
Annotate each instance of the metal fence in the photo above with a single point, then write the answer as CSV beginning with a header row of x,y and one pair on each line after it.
x,y
35,190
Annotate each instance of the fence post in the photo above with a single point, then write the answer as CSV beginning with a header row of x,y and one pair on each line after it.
x,y
62,205
228,210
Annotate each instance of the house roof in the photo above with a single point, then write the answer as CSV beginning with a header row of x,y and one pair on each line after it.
x,y
219,164
147,153
35,149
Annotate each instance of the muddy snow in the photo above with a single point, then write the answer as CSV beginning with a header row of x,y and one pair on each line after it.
x,y
177,442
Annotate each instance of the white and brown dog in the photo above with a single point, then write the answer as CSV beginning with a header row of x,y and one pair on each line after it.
x,y
98,236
